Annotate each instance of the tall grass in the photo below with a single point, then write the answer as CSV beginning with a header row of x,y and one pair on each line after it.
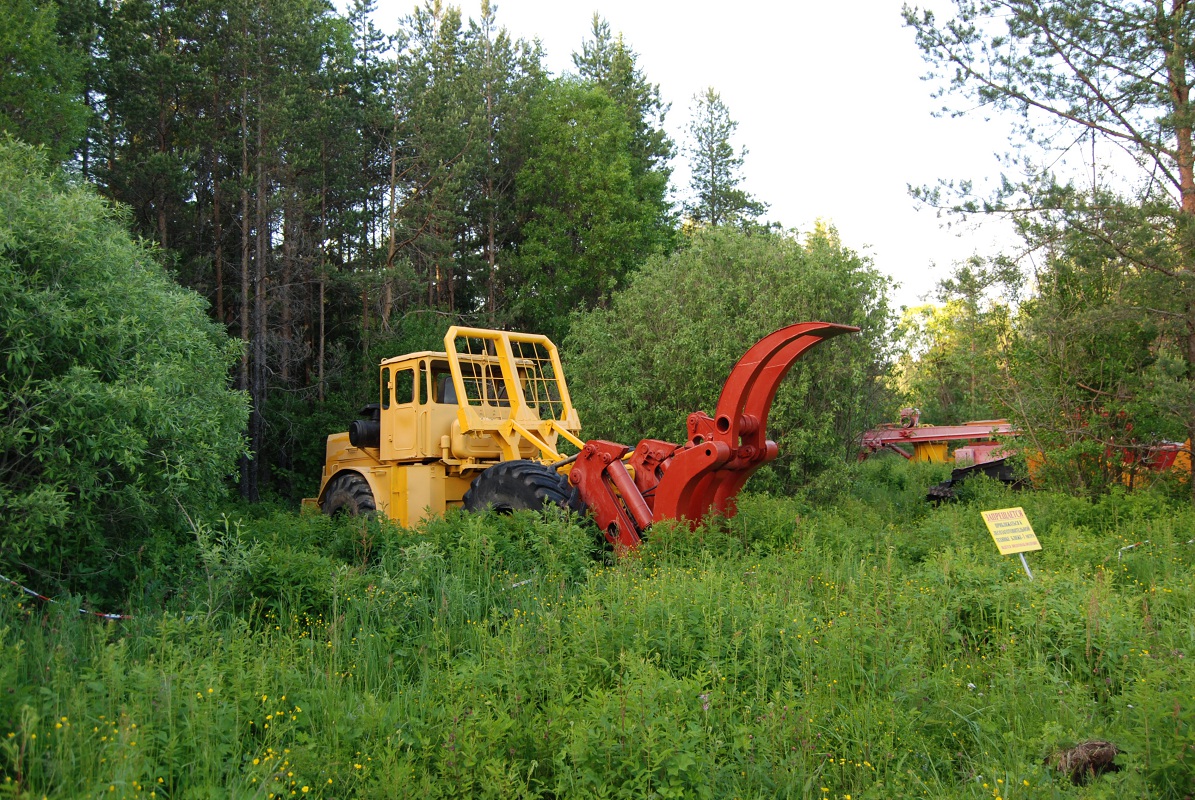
x,y
872,646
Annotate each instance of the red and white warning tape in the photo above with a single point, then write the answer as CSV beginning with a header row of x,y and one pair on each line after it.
x,y
32,593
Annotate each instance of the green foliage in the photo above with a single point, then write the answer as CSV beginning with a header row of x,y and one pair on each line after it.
x,y
714,166
666,344
39,91
610,64
114,407
1105,348
308,555
871,648
1098,384
228,559
955,360
584,227
1093,388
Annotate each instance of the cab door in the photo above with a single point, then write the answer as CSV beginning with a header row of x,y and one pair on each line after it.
x,y
399,413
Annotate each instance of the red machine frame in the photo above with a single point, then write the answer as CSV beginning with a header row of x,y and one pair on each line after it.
x,y
890,436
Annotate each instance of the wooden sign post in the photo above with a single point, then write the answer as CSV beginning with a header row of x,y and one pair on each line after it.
x,y
1012,532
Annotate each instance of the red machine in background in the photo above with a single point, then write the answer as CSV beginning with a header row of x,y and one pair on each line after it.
x,y
984,453
930,443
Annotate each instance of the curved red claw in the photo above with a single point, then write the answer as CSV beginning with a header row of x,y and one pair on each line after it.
x,y
706,473
691,488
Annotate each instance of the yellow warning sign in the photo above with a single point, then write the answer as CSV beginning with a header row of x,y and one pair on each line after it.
x,y
1011,530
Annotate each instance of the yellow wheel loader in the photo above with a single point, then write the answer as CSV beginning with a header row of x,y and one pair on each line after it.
x,y
477,426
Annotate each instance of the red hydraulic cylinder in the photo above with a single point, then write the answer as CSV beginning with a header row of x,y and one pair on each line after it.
x,y
606,487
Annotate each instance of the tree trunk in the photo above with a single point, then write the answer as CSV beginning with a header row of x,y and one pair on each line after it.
x,y
218,234
1190,354
491,256
392,243
323,281
217,222
365,323
246,460
323,263
1180,96
1185,158
450,279
85,146
257,394
163,131
290,235
491,259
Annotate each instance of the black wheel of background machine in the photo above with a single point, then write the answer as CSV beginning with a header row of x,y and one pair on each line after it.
x,y
941,492
521,485
349,493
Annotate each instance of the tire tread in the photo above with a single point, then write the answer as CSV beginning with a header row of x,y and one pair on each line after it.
x,y
349,493
521,485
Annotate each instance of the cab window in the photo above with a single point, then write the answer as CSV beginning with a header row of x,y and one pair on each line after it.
x,y
421,382
404,386
443,391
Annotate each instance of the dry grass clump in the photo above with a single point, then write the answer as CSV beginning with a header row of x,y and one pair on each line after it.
x,y
1085,760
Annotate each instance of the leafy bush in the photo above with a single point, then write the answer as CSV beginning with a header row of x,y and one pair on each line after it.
x,y
667,343
114,406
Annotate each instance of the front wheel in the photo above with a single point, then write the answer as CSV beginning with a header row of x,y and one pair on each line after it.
x,y
349,493
521,486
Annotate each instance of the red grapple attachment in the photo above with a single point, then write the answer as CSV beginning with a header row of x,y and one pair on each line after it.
x,y
688,481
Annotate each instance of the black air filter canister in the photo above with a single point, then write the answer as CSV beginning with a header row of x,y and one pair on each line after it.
x,y
365,433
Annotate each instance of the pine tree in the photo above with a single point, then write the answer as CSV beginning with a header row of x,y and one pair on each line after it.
x,y
584,227
717,198
507,75
434,142
40,98
609,63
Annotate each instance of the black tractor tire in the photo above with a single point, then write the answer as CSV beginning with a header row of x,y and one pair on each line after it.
x,y
349,493
521,486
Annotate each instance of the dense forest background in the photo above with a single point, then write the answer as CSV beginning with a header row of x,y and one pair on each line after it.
x,y
338,195
216,217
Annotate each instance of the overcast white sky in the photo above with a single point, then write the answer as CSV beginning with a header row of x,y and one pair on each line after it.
x,y
830,105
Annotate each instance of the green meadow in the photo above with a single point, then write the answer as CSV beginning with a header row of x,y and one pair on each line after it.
x,y
851,642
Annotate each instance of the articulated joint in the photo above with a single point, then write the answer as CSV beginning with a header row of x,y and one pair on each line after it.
x,y
608,489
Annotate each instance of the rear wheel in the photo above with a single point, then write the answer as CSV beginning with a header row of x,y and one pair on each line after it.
x,y
521,486
349,493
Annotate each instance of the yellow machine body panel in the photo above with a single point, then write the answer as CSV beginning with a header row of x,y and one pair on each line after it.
x,y
931,452
442,417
